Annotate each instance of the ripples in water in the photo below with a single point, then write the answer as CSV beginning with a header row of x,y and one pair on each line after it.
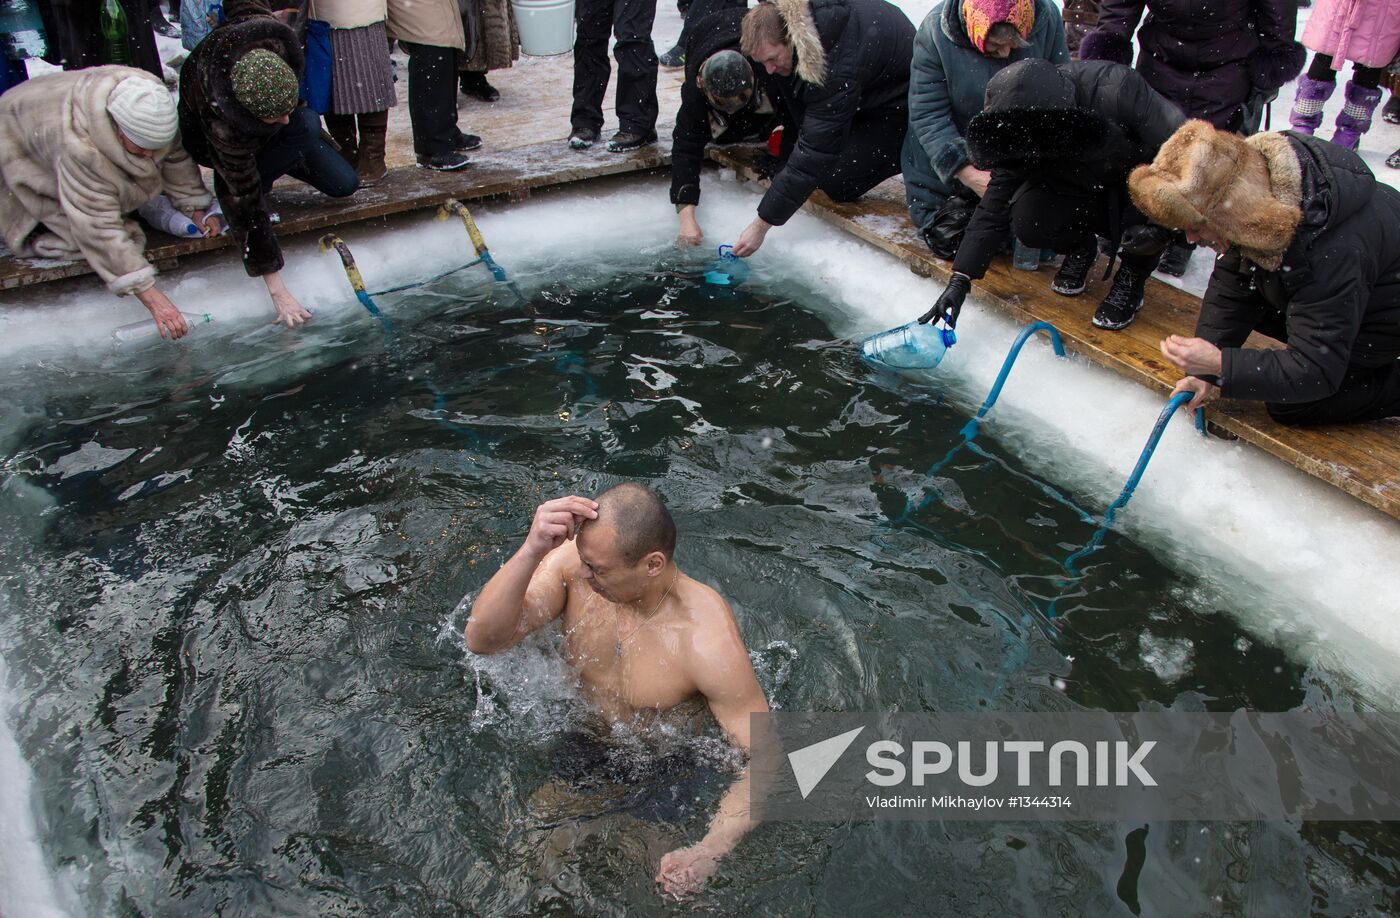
x,y
231,585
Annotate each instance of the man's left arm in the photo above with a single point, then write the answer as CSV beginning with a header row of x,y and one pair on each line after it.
x,y
1324,317
726,678
824,130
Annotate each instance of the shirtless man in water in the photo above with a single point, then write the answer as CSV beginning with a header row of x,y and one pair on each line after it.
x,y
644,638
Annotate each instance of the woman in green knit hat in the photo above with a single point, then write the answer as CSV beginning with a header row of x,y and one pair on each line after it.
x,y
240,115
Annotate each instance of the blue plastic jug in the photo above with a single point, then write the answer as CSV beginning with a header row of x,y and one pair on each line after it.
x,y
729,271
909,347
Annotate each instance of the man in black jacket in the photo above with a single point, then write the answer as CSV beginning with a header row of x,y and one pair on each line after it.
x,y
725,98
846,64
1059,142
1310,245
240,116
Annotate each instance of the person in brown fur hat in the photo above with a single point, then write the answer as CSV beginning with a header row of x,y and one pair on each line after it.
x,y
1309,247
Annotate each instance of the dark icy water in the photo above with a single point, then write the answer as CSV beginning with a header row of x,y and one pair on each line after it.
x,y
231,574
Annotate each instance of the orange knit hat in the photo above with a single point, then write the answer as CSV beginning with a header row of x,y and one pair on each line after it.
x,y
980,15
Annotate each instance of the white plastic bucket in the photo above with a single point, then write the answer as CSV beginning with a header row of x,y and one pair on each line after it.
x,y
546,26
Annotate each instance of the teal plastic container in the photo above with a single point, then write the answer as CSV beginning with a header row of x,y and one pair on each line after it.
x,y
729,271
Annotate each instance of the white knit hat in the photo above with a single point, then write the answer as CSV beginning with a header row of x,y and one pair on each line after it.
x,y
144,111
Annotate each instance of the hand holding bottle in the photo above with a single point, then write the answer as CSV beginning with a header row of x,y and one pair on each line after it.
x,y
949,302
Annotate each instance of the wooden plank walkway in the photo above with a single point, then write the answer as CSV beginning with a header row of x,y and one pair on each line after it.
x,y
1361,459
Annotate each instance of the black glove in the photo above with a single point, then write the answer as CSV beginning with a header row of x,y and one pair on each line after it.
x,y
949,301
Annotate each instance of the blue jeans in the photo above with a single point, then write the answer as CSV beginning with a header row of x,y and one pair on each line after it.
x,y
300,151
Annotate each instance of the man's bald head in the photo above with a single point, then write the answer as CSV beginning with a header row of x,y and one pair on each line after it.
x,y
640,519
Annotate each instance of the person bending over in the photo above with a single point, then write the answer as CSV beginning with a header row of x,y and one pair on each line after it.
x,y
960,46
724,99
1059,142
846,65
84,149
240,116
1309,247
643,637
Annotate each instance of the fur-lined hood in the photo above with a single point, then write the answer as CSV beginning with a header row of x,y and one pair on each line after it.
x,y
806,41
1092,118
1031,115
228,43
1249,189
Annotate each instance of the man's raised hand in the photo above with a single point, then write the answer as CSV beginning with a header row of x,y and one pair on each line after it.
x,y
555,522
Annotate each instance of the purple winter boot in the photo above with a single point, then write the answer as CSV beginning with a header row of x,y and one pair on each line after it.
x,y
1355,117
1306,116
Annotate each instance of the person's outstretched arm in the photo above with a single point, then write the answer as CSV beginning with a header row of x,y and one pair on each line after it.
x,y
725,677
528,592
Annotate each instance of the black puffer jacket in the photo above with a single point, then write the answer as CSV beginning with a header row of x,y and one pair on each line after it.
x,y
223,135
1207,56
1075,129
694,127
850,56
1335,299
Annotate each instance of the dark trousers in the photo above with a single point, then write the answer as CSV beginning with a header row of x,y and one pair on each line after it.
x,y
12,73
1321,69
300,151
692,11
630,21
870,156
1365,395
75,34
432,98
1044,218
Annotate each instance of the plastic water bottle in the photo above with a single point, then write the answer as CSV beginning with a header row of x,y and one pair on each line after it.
x,y
729,271
139,331
1023,257
162,215
909,347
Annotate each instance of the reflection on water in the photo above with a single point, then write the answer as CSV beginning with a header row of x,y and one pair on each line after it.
x,y
232,575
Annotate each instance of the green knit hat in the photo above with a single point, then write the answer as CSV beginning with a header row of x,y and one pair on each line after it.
x,y
265,85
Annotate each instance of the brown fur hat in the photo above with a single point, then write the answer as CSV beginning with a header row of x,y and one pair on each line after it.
x,y
1248,190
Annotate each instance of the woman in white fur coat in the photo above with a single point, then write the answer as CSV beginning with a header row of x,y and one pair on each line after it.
x,y
83,150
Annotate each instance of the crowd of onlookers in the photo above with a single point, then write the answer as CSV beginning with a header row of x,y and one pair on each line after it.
x,y
1018,125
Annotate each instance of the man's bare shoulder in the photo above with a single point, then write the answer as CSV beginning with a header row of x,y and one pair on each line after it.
x,y
553,576
562,561
713,627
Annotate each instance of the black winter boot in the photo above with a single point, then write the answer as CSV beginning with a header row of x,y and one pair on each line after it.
x,y
1175,259
1073,275
1124,299
473,83
673,59
1390,112
627,141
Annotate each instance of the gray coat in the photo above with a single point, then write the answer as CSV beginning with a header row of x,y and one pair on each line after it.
x,y
947,86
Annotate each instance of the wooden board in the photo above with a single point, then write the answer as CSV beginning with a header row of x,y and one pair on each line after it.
x,y
509,173
1361,459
